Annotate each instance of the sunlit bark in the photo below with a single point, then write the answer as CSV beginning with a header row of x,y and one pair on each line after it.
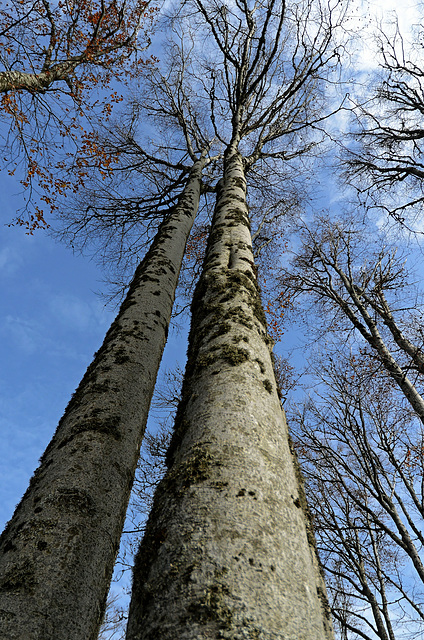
x,y
228,551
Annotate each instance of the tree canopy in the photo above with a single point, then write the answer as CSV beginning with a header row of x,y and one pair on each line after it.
x,y
61,63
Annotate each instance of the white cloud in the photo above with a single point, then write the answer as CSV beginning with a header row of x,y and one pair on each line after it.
x,y
375,14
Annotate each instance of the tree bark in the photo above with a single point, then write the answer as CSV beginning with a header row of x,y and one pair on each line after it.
x,y
227,551
58,551
36,82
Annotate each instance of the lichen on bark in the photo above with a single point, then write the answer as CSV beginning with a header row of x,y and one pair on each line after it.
x,y
57,552
235,561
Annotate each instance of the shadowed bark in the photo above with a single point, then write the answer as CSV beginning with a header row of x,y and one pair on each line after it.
x,y
57,552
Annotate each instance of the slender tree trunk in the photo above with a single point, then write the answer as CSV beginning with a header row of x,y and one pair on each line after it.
x,y
35,82
227,553
58,551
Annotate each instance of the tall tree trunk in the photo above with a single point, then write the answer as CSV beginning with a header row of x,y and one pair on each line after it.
x,y
58,551
226,552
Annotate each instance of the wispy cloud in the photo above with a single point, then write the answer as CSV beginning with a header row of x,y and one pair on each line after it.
x,y
77,314
69,318
10,260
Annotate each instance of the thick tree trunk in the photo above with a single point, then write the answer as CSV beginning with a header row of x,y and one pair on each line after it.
x,y
58,551
227,552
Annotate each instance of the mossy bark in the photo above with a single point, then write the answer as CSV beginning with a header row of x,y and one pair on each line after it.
x,y
227,552
57,552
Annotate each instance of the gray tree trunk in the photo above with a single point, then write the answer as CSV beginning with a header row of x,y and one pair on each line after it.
x,y
58,551
228,551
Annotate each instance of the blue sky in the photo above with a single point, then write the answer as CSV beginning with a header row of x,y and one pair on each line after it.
x,y
51,322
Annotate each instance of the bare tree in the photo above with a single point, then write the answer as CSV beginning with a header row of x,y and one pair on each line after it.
x,y
83,483
359,287
228,550
360,435
386,162
54,579
361,452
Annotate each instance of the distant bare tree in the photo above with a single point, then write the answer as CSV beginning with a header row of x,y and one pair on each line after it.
x,y
113,625
358,288
360,435
386,162
361,451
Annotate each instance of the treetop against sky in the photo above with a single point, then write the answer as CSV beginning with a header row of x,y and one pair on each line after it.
x,y
31,341
52,326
